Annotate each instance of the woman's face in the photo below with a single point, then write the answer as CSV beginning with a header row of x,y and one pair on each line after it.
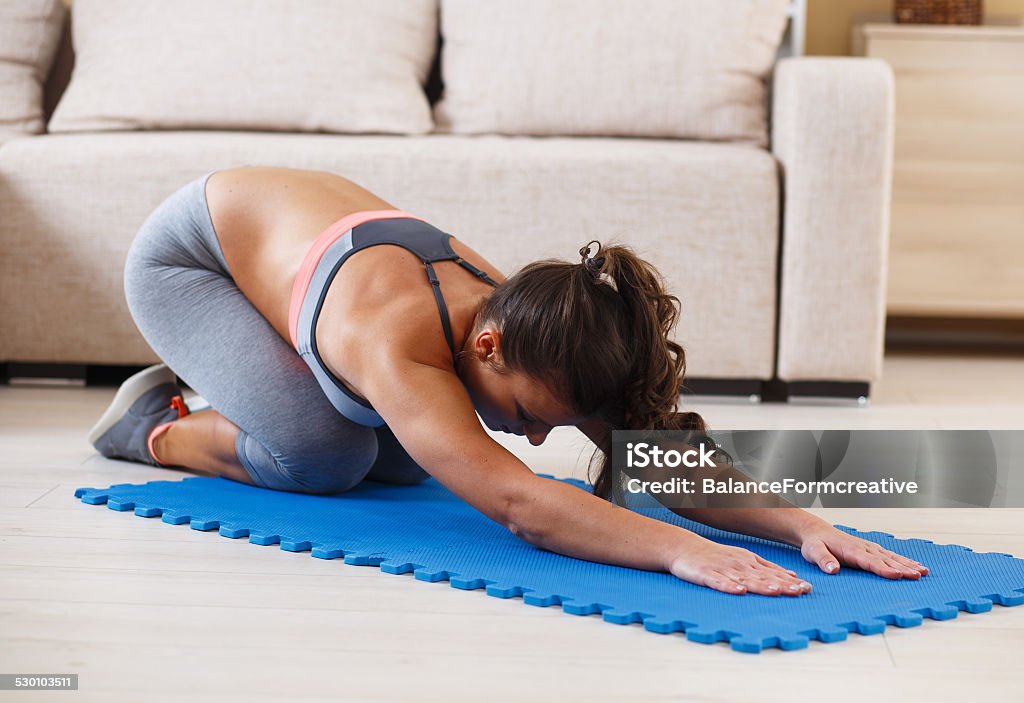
x,y
511,401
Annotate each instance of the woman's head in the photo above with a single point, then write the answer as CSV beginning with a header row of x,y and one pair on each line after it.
x,y
594,335
509,400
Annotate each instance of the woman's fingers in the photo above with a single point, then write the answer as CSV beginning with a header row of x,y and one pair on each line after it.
x,y
759,580
889,564
724,583
920,568
769,586
884,564
907,572
769,582
786,580
877,565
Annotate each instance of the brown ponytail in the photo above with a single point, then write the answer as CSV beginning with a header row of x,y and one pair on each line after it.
x,y
597,332
658,364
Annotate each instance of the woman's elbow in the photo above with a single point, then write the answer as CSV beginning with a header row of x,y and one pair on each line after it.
x,y
526,531
520,517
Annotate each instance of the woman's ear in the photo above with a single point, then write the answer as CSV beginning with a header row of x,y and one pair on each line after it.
x,y
487,345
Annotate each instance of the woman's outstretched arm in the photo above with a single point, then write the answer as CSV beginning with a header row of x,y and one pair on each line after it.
x,y
433,417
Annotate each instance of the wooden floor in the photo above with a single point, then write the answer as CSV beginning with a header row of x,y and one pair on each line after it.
x,y
143,610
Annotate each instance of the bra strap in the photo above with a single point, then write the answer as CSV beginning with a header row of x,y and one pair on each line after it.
x,y
442,307
475,271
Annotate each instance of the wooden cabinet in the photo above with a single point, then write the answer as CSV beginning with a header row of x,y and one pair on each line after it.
x,y
957,243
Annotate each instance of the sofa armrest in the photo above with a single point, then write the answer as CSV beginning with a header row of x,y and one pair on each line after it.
x,y
832,133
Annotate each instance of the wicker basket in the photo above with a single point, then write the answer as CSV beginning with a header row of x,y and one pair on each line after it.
x,y
938,11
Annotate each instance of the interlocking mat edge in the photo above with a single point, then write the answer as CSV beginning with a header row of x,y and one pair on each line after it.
x,y
426,530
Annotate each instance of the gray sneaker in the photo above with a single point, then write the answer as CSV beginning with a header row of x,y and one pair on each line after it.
x,y
148,399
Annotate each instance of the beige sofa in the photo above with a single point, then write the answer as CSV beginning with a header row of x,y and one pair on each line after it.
x,y
773,233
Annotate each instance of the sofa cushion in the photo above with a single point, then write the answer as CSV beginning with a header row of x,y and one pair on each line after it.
x,y
649,68
318,65
29,34
705,214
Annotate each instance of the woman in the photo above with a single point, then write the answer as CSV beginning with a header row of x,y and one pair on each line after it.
x,y
328,358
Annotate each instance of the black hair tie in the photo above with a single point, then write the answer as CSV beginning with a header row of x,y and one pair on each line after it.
x,y
593,264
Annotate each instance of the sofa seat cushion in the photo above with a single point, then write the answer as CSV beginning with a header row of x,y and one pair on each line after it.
x,y
318,65
705,214
29,35
647,68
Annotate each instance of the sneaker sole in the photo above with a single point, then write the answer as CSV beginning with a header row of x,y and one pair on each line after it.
x,y
127,394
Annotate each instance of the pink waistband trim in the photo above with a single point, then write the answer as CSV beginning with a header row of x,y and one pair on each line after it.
x,y
316,252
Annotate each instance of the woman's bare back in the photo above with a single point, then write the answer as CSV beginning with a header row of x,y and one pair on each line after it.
x,y
266,219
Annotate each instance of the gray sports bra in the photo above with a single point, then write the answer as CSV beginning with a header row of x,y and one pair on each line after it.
x,y
347,236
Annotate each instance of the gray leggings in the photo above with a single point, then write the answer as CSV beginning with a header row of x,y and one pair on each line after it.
x,y
187,306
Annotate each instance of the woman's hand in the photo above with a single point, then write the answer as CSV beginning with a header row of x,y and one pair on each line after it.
x,y
734,570
829,548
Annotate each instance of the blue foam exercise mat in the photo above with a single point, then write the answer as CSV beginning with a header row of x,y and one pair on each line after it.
x,y
429,531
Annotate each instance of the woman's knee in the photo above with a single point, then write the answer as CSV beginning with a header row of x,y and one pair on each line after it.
x,y
323,469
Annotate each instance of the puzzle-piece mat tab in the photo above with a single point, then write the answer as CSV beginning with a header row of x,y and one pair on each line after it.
x,y
427,530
